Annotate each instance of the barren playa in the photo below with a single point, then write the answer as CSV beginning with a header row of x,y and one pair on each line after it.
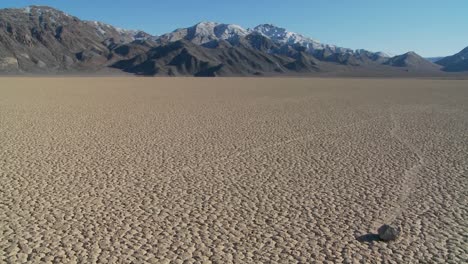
x,y
183,170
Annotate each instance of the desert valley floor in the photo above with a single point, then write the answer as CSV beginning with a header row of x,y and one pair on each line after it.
x,y
232,170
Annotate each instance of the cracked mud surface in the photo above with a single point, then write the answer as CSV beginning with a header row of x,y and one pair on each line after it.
x,y
143,170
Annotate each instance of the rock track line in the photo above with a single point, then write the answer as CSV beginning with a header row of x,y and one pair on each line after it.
x,y
410,177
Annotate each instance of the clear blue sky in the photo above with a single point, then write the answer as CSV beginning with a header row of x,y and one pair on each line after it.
x,y
429,27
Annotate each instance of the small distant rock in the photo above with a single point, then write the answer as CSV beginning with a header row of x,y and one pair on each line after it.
x,y
388,233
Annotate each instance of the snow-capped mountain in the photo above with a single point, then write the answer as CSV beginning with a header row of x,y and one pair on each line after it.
x,y
282,36
42,39
205,32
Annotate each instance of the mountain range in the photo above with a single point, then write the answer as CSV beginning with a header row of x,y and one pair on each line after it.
x,y
44,40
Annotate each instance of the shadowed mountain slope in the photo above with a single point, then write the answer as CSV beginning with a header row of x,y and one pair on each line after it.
x,y
455,63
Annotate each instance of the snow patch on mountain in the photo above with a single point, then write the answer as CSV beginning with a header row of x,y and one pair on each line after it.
x,y
282,36
205,32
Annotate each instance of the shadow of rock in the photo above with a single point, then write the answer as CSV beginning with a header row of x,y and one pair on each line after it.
x,y
368,238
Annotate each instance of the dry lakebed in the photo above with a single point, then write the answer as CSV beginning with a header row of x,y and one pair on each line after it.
x,y
232,170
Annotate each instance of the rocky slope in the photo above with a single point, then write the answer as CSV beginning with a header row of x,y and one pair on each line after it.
x,y
43,39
